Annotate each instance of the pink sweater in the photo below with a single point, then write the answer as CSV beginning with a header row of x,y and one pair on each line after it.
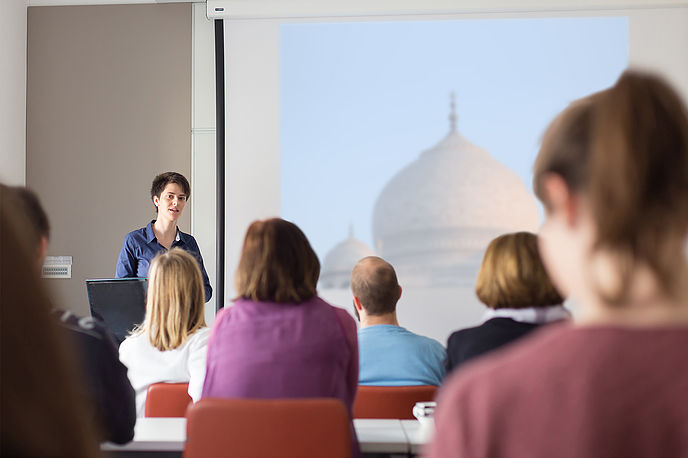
x,y
571,392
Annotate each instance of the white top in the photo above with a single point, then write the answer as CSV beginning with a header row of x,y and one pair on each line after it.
x,y
148,365
533,315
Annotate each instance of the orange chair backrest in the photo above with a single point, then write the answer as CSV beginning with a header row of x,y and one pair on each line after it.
x,y
267,428
167,400
390,401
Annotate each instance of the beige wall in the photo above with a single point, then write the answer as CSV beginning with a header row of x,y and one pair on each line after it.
x,y
108,107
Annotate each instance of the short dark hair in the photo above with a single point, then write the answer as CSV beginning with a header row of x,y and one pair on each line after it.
x,y
277,263
162,180
31,205
374,282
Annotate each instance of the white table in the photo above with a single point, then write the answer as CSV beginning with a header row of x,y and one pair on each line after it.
x,y
374,436
417,435
381,436
154,435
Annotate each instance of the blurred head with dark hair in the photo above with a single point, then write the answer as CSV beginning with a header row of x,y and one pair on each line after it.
x,y
42,413
38,220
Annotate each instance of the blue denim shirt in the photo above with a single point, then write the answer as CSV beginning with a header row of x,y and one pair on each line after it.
x,y
141,246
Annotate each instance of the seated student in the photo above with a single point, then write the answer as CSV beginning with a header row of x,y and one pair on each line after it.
x,y
106,386
513,284
279,339
389,355
43,413
171,343
612,173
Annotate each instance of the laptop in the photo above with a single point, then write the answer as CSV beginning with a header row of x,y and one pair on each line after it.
x,y
119,302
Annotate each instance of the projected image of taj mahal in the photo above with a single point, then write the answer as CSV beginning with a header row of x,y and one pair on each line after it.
x,y
434,218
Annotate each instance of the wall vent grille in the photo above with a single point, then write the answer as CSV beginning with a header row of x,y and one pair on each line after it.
x,y
57,271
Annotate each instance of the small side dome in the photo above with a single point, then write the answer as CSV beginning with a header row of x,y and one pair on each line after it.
x,y
340,261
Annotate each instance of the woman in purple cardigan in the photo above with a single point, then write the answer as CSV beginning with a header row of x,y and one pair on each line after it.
x,y
279,339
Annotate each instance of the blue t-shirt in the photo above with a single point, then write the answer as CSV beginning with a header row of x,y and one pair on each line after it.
x,y
141,246
390,355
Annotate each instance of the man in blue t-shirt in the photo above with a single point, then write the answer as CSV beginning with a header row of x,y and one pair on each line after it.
x,y
389,355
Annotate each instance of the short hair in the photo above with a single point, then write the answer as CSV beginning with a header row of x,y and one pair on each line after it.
x,y
374,282
31,206
512,274
162,180
277,263
175,302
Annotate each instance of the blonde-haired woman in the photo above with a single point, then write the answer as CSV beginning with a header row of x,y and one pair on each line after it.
x,y
170,345
520,297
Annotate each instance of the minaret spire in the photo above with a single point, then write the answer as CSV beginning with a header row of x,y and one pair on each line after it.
x,y
452,114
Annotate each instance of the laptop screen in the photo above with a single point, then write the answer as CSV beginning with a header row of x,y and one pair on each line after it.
x,y
119,302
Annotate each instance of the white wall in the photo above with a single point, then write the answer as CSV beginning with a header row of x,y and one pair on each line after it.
x,y
654,37
203,144
13,92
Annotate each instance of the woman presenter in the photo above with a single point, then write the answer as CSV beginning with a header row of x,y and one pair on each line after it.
x,y
169,192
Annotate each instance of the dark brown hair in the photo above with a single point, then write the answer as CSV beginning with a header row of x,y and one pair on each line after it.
x,y
512,275
626,150
162,180
277,263
34,212
374,282
42,412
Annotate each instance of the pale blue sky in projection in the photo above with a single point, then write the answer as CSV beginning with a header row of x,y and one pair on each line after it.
x,y
359,101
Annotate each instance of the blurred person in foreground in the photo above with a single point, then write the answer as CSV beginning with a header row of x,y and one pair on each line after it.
x,y
513,284
171,344
42,413
104,384
389,355
612,173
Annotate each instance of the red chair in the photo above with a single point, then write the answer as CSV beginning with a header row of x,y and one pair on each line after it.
x,y
167,400
267,428
390,401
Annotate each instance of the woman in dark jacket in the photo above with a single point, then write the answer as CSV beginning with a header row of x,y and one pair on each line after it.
x,y
520,297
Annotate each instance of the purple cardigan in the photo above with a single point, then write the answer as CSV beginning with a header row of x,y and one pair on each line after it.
x,y
271,350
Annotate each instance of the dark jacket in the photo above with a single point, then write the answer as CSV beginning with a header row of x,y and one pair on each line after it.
x,y
105,384
468,343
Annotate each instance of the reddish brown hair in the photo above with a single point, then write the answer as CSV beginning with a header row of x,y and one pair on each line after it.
x,y
626,150
277,263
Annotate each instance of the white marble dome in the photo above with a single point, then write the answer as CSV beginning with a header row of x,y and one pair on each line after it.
x,y
335,272
437,214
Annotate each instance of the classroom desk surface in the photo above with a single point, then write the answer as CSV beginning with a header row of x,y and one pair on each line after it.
x,y
169,435
381,436
417,435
